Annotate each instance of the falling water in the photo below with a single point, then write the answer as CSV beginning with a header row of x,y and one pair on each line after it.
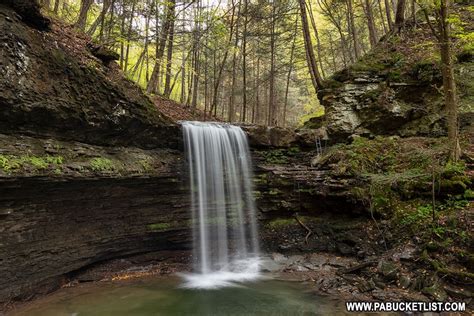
x,y
223,210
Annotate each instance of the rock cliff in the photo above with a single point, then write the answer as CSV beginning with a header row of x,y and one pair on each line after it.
x,y
396,89
52,86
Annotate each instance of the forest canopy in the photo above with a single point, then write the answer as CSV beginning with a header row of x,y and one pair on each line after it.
x,y
239,60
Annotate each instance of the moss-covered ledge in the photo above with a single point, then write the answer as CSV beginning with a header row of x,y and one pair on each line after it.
x,y
23,156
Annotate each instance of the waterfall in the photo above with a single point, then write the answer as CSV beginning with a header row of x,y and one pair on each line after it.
x,y
223,210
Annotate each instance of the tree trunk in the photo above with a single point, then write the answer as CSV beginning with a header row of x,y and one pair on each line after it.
x,y
370,23
400,15
244,63
122,31
222,65
129,36
47,4
82,20
100,19
169,55
290,69
152,86
385,30
311,60
272,106
318,41
449,85
231,112
355,37
56,7
182,97
197,55
389,14
256,108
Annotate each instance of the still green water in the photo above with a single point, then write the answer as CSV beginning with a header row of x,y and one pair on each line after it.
x,y
162,296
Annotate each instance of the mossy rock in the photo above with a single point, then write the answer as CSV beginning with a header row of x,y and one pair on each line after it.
x,y
453,186
426,71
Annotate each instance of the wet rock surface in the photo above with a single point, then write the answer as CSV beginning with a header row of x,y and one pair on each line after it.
x,y
353,279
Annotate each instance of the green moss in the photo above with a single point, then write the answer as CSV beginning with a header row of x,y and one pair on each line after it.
x,y
331,83
426,71
453,169
145,164
378,61
368,65
290,221
394,76
373,95
13,163
281,222
469,194
159,227
444,269
274,192
279,156
101,164
392,170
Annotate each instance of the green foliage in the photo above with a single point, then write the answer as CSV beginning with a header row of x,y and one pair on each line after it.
x,y
421,214
393,169
12,163
447,228
100,164
159,227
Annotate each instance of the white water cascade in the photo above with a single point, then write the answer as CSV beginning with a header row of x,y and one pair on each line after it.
x,y
223,210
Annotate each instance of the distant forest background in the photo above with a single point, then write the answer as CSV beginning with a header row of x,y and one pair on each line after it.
x,y
240,60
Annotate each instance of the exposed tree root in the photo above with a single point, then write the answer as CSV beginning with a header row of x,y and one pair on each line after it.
x,y
310,232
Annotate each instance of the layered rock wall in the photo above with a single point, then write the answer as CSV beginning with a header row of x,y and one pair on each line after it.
x,y
50,228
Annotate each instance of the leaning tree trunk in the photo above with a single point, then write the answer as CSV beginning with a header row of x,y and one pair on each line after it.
x,y
311,59
100,19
